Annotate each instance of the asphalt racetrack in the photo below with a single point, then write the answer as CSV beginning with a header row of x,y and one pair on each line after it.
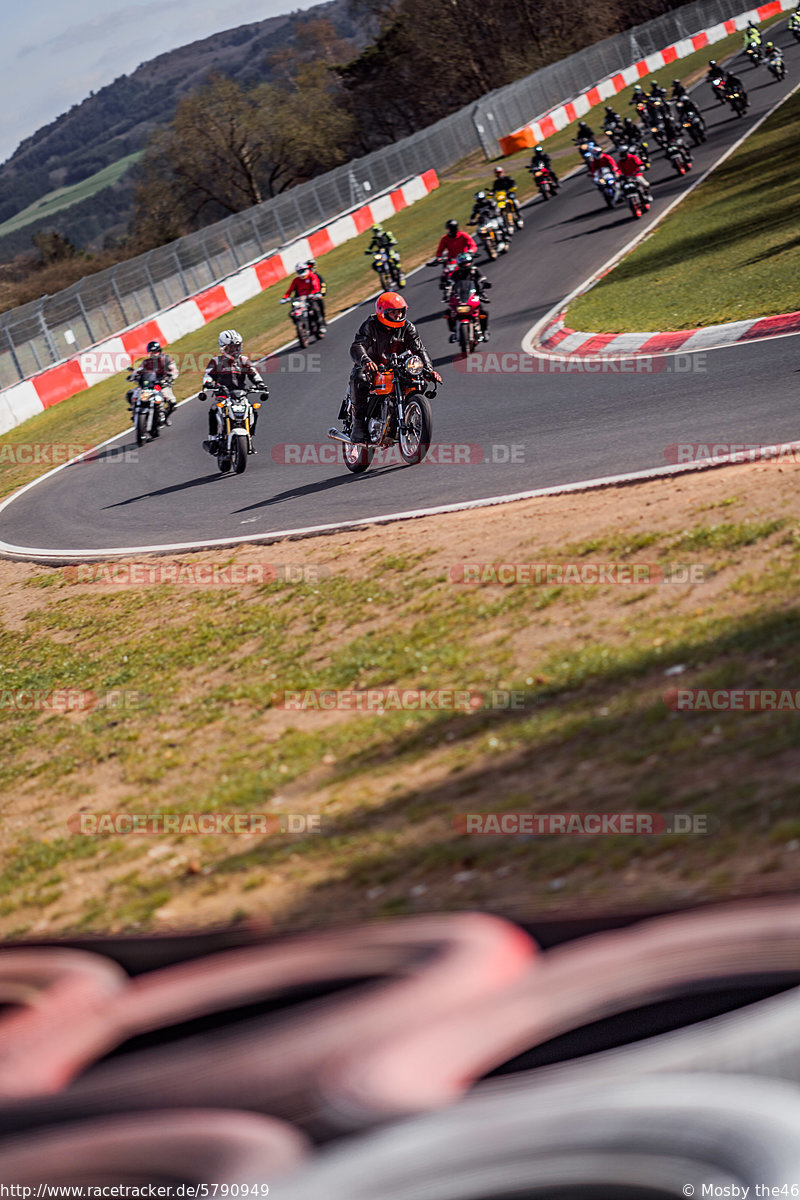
x,y
508,424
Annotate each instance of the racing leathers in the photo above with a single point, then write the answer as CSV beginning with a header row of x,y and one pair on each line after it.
x,y
374,344
165,370
229,374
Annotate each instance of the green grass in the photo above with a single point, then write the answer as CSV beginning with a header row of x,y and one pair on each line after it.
x,y
729,252
53,202
593,695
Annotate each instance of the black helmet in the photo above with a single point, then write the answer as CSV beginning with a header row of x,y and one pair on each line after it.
x,y
154,347
452,227
675,82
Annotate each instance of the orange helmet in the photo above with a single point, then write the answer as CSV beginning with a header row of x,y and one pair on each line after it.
x,y
391,309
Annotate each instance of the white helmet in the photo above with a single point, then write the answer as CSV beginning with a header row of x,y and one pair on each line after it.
x,y
230,340
300,267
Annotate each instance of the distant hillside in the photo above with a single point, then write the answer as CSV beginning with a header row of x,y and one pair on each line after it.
x,y
116,121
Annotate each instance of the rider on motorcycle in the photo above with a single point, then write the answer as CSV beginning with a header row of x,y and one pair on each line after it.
x,y
602,161
657,92
467,270
386,333
504,183
451,245
751,36
772,53
632,167
307,283
164,367
484,209
679,92
311,263
585,133
384,239
230,369
632,131
541,162
638,97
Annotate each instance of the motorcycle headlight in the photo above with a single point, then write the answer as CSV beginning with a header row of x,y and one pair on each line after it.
x,y
414,365
238,408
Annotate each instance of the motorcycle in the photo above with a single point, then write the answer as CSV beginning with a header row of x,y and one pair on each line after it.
x,y
776,66
794,26
543,179
678,154
508,209
306,318
388,269
586,150
398,413
614,131
693,123
754,53
235,418
449,267
492,235
737,98
719,88
631,192
606,181
147,409
465,306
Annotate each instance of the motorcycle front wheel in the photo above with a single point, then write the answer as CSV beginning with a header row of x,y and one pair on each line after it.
x,y
302,336
357,458
141,428
239,456
416,434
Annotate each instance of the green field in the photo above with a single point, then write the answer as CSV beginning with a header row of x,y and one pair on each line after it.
x,y
53,202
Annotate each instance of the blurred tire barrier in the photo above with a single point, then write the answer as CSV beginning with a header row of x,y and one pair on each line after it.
x,y
245,1051
197,1147
643,1138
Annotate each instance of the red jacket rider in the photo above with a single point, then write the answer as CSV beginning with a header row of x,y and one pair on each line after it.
x,y
604,162
305,283
454,243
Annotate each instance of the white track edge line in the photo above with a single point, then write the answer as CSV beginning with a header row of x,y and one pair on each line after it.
x,y
56,557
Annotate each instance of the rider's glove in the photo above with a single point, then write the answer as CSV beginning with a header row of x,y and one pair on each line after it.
x,y
368,365
435,376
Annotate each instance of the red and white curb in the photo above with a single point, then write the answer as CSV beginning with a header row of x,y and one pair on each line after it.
x,y
115,354
558,118
561,341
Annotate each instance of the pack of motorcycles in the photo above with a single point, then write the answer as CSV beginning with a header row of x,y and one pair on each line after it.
x,y
399,414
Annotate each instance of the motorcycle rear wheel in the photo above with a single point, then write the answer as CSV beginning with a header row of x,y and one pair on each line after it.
x,y
415,437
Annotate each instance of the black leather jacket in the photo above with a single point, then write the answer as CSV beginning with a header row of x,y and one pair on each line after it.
x,y
379,342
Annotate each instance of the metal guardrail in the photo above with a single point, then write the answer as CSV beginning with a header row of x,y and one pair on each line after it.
x,y
49,330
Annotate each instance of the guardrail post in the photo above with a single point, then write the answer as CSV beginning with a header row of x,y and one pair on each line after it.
x,y
84,317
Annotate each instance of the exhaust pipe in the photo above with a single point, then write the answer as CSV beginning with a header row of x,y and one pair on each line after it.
x,y
338,436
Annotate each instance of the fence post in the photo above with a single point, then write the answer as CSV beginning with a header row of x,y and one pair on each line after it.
x,y
46,334
84,317
13,352
150,283
181,276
